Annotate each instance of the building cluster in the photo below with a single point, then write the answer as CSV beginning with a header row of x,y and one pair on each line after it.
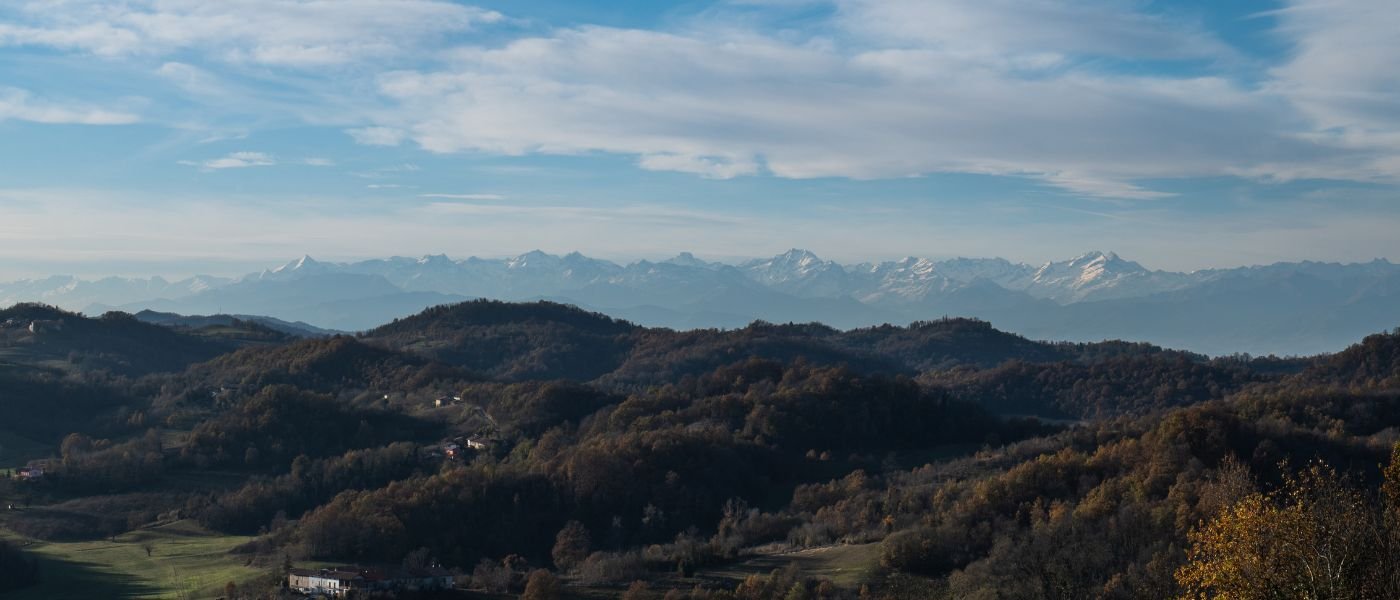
x,y
38,326
462,447
29,473
447,401
338,582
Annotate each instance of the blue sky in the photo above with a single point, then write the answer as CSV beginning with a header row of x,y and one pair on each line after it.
x,y
182,136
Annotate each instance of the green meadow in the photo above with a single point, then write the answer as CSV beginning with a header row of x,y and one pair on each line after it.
x,y
185,562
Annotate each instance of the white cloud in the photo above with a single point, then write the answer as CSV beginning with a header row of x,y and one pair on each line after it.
x,y
192,79
1045,89
378,136
301,33
21,105
236,160
729,104
705,166
99,38
1090,186
1029,33
318,162
1342,75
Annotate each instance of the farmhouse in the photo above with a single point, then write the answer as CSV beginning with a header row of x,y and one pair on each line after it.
x,y
447,401
341,581
43,326
29,473
331,582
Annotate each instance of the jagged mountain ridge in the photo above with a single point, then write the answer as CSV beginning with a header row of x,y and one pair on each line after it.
x,y
1093,296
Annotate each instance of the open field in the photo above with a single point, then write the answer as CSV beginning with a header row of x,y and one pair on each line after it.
x,y
186,561
845,565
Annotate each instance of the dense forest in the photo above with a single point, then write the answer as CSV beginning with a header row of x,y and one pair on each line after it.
x,y
542,450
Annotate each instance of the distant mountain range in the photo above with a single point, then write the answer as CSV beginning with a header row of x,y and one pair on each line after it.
x,y
1284,308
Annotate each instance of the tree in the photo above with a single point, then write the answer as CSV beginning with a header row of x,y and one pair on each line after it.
x,y
541,586
637,591
421,558
73,446
571,546
1314,538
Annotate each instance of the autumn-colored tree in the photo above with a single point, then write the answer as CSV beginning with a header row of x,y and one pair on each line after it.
x,y
1388,580
637,591
1313,538
541,586
571,546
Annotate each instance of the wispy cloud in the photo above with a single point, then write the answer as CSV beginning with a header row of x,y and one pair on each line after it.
x,y
318,162
310,33
236,160
722,103
21,105
1093,97
378,136
1101,188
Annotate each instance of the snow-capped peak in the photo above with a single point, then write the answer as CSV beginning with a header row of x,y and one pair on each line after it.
x,y
435,259
533,258
305,262
799,272
1098,275
298,268
799,257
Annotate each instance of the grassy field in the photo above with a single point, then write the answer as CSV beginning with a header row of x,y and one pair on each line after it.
x,y
186,561
845,565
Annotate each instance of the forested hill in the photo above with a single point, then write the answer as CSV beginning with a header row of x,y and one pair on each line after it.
x,y
498,439
33,334
1374,363
545,340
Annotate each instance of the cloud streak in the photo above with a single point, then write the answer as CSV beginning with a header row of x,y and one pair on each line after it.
x,y
236,160
1099,98
728,105
295,34
21,105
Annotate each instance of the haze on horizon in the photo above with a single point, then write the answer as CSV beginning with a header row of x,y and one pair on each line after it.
x,y
180,137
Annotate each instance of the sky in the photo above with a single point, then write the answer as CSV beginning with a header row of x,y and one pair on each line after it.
x,y
173,137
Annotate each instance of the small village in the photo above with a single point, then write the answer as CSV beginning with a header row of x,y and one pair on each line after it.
x,y
33,326
342,581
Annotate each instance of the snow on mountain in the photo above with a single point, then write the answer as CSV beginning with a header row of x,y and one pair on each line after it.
x,y
996,270
903,281
801,273
1098,276
660,284
297,269
1259,308
75,294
